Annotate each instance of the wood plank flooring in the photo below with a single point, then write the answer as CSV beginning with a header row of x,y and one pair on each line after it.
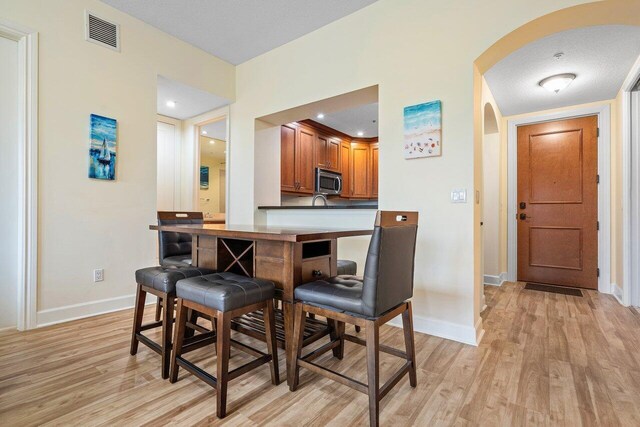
x,y
546,359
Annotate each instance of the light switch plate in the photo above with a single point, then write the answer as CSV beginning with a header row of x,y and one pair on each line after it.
x,y
459,195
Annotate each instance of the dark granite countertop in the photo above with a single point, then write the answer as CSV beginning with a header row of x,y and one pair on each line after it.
x,y
320,207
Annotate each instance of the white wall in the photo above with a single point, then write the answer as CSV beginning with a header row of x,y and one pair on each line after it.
x,y
86,224
9,180
416,51
491,203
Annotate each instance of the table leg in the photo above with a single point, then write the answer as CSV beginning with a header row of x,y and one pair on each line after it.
x,y
288,317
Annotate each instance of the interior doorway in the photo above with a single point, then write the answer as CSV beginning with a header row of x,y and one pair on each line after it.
x,y
212,167
558,202
9,190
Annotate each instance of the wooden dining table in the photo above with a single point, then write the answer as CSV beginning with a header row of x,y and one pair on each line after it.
x,y
287,256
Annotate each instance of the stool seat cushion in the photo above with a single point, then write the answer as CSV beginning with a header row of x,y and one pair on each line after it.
x,y
340,293
177,260
225,291
347,267
164,279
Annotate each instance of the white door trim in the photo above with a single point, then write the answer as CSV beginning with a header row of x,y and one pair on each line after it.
x,y
604,195
27,170
630,285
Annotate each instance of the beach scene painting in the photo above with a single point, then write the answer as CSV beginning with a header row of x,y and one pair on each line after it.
x,y
423,130
102,153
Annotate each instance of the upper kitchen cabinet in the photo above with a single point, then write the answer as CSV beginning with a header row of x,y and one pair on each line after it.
x,y
345,168
297,145
360,171
373,170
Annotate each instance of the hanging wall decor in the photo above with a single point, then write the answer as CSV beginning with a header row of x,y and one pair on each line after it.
x,y
102,153
423,130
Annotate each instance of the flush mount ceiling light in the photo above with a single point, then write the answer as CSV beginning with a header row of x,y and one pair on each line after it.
x,y
360,133
320,116
204,132
212,142
558,82
171,104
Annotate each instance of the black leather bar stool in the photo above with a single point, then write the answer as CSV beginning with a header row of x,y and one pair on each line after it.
x,y
380,296
346,267
174,249
161,282
224,296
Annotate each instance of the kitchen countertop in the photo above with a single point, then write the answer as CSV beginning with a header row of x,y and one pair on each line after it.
x,y
320,207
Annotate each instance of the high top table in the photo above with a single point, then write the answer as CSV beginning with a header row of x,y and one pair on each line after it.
x,y
288,257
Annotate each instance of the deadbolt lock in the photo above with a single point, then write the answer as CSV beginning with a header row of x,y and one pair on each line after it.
x,y
523,205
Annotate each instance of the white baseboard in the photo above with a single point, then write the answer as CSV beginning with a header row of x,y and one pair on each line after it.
x,y
443,329
8,328
68,313
495,280
616,291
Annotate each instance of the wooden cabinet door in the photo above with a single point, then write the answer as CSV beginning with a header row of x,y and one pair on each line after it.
x,y
345,168
333,154
360,154
288,180
322,141
373,170
305,167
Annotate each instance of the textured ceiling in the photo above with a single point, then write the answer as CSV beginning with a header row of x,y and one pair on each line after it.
x,y
237,31
360,119
189,101
600,56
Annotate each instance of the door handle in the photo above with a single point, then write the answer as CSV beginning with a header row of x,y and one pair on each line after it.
x,y
523,216
523,205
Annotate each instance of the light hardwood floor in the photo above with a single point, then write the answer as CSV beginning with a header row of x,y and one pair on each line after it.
x,y
545,359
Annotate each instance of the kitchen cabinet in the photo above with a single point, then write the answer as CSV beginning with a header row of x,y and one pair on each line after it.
x,y
345,168
297,144
359,167
327,152
373,170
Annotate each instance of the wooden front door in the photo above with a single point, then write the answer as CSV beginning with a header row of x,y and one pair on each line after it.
x,y
557,210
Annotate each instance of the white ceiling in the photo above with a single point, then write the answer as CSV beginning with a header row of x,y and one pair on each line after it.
x,y
363,118
600,56
217,130
214,149
237,31
189,101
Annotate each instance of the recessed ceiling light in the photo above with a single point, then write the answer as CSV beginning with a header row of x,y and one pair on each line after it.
x,y
204,132
558,82
360,133
320,116
171,104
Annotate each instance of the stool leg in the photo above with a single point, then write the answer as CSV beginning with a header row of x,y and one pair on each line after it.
x,y
270,335
409,343
158,309
337,333
137,318
167,317
298,336
193,319
178,338
223,344
373,372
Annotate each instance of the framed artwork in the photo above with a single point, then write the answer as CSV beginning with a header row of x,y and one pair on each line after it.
x,y
102,152
204,177
423,130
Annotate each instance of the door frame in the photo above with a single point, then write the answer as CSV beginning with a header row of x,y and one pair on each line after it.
x,y
27,170
631,285
603,112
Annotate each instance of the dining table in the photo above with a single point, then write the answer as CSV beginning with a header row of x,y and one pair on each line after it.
x,y
288,257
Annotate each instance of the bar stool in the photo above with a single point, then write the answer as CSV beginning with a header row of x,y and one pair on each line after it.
x,y
346,267
174,249
380,296
161,282
225,296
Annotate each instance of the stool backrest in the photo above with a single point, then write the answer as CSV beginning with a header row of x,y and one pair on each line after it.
x,y
173,244
388,271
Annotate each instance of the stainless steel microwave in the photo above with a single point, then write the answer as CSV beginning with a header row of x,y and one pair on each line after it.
x,y
328,182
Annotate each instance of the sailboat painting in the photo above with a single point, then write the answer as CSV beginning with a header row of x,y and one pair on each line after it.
x,y
423,130
102,154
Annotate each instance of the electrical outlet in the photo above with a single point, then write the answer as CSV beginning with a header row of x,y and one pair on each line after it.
x,y
459,196
98,275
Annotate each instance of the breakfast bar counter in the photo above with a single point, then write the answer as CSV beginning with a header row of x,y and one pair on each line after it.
x,y
287,256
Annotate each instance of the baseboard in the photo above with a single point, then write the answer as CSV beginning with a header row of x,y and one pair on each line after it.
x,y
443,329
495,280
8,328
616,291
68,313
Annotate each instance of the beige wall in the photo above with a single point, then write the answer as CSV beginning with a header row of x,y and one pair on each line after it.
x,y
416,51
86,224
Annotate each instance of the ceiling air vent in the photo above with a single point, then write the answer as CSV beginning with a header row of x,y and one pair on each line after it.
x,y
102,32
